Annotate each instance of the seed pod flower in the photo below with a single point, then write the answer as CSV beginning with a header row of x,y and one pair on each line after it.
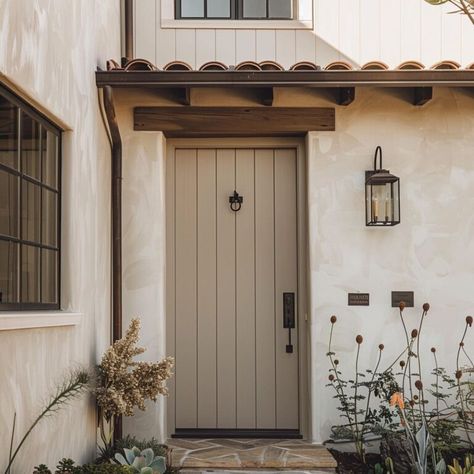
x,y
433,350
359,339
402,305
469,320
381,347
458,374
414,333
333,319
419,385
331,377
426,307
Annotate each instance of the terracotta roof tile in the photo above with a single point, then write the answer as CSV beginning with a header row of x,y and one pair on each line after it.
x,y
145,65
411,65
304,66
248,66
374,66
177,66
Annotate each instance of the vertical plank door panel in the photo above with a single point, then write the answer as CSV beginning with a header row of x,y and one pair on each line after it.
x,y
286,276
245,289
265,290
226,348
186,291
206,284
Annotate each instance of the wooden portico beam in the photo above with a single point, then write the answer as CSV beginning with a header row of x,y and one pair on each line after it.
x,y
234,121
268,79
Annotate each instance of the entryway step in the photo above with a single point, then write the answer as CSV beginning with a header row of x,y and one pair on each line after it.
x,y
250,455
191,471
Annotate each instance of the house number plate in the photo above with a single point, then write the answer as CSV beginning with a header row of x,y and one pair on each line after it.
x,y
406,296
358,299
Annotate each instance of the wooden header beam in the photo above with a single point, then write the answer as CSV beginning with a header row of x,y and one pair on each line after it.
x,y
234,121
236,79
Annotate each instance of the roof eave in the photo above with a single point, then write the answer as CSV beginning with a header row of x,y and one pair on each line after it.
x,y
232,79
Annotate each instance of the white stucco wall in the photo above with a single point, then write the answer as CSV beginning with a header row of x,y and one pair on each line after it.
x,y
51,49
144,250
431,252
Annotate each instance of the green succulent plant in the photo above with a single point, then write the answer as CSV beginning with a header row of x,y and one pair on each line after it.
x,y
41,469
456,468
142,462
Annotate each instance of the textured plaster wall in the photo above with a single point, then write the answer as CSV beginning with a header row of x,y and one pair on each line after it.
x,y
430,252
144,250
50,49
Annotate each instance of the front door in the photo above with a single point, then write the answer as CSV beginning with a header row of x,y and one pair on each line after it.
x,y
232,289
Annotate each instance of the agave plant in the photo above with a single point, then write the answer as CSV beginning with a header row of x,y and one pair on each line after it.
x,y
143,462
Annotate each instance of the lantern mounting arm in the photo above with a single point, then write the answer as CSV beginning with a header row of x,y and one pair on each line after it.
x,y
378,152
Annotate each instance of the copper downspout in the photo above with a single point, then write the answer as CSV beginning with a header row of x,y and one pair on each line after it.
x,y
116,204
128,29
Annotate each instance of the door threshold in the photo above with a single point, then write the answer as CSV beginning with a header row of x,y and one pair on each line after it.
x,y
236,433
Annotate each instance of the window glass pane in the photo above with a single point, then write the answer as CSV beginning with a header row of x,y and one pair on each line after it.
x,y
8,204
254,8
50,144
8,133
279,8
8,272
192,8
30,211
30,146
49,218
49,277
30,278
218,8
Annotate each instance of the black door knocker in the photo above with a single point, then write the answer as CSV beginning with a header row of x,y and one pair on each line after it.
x,y
236,201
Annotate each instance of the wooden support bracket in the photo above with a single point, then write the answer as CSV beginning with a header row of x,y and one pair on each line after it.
x,y
345,95
422,95
183,95
266,95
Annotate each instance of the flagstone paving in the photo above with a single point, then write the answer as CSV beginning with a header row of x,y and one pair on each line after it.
x,y
246,455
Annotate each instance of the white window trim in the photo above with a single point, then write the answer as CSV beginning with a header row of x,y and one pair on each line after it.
x,y
12,321
168,20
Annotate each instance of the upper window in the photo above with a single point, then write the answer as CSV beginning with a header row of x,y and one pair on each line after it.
x,y
29,207
235,9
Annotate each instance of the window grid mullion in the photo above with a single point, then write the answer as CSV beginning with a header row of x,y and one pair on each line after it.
x,y
16,245
20,210
40,251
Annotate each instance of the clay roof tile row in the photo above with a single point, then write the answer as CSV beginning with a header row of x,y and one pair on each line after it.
x,y
145,65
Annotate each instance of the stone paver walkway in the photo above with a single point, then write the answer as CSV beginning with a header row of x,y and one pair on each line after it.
x,y
219,455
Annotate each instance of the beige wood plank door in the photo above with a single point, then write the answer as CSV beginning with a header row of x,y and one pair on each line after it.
x,y
227,273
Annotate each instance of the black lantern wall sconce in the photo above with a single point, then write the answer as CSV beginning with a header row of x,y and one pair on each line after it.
x,y
382,195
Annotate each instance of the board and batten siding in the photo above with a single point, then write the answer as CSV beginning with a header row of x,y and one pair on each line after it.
x,y
356,31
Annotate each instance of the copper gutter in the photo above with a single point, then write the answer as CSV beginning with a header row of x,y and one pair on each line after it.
x,y
128,19
116,204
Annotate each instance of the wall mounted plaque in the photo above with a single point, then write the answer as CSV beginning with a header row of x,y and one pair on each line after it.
x,y
358,299
408,297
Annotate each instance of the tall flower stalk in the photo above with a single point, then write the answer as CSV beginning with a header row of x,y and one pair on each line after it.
x,y
74,386
124,384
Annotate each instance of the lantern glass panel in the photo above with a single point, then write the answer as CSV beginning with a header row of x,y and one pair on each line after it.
x,y
383,205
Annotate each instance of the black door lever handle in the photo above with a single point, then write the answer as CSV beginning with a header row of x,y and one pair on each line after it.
x,y
289,317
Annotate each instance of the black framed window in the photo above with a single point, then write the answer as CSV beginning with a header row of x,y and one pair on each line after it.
x,y
29,207
234,9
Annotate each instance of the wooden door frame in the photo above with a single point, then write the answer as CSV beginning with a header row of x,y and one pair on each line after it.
x,y
304,332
